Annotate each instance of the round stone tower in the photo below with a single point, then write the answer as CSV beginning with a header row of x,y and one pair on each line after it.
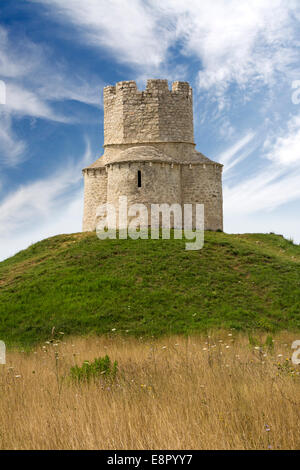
x,y
150,154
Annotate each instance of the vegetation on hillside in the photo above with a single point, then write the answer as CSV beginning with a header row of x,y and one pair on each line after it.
x,y
79,285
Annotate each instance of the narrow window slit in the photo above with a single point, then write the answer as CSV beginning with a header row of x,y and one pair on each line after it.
x,y
139,179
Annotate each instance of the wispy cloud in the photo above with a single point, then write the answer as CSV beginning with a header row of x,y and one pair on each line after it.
x,y
132,31
30,70
34,208
285,149
276,182
235,154
235,42
22,102
11,148
25,67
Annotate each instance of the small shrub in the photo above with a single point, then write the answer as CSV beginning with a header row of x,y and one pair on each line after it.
x,y
101,367
253,341
269,343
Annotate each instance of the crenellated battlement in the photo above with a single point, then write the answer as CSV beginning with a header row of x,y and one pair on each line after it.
x,y
156,114
153,86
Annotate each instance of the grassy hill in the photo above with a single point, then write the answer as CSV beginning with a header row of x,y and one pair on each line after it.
x,y
80,284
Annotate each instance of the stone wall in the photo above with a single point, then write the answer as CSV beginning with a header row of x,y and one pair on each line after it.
x,y
95,193
154,115
202,184
160,183
151,131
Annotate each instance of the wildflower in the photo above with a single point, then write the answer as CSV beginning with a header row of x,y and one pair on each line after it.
x,y
17,376
279,355
164,347
267,428
113,329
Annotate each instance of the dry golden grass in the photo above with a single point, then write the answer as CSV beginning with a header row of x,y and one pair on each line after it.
x,y
175,393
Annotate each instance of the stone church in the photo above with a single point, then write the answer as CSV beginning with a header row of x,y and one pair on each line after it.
x,y
149,154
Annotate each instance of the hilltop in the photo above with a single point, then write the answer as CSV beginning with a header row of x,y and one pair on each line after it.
x,y
81,285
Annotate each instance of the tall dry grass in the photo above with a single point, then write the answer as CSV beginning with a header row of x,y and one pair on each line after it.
x,y
178,393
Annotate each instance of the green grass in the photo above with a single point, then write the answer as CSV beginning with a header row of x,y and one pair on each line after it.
x,y
81,285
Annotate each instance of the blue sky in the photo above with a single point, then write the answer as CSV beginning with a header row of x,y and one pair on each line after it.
x,y
241,58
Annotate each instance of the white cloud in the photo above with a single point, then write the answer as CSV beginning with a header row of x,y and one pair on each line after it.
x,y
16,61
265,190
43,208
132,30
26,103
65,219
32,75
276,181
234,41
25,69
11,148
286,148
230,157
